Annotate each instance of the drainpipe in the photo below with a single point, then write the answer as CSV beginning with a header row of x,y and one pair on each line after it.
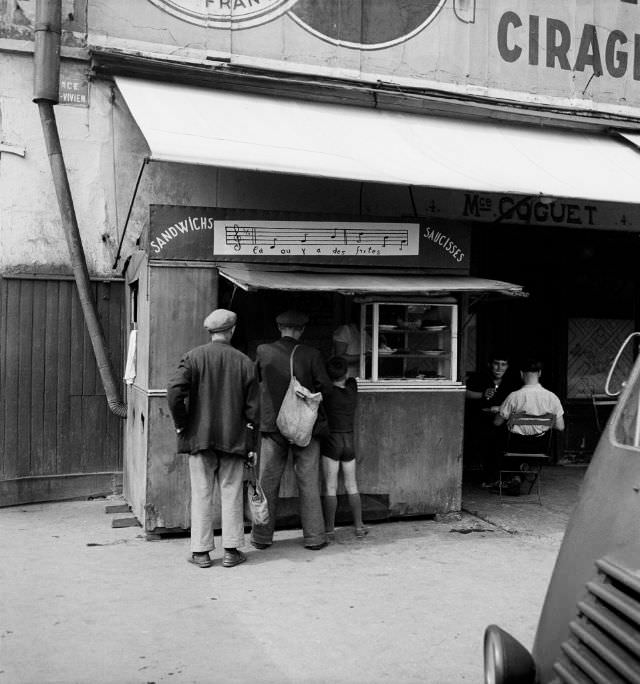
x,y
47,74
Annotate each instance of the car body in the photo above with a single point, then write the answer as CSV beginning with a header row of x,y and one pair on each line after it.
x,y
589,628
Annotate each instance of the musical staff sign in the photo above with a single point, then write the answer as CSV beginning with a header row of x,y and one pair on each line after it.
x,y
314,238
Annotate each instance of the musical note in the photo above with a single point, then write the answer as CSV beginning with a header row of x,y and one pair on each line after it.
x,y
295,237
236,238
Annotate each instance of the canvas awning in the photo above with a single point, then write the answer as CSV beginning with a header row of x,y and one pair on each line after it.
x,y
195,125
251,277
633,138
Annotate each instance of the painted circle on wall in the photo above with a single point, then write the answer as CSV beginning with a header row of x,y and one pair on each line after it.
x,y
235,14
367,24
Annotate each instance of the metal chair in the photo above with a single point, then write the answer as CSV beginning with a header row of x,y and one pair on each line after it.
x,y
527,457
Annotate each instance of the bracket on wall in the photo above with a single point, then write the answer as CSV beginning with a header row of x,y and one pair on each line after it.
x,y
12,149
143,166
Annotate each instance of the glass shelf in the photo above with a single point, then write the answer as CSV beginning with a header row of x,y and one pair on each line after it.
x,y
424,335
443,355
423,331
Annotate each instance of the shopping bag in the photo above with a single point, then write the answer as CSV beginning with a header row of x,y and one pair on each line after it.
x,y
299,411
258,504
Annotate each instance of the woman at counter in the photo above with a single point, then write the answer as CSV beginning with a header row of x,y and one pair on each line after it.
x,y
347,343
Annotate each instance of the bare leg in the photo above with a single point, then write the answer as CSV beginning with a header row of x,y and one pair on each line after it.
x,y
351,485
330,469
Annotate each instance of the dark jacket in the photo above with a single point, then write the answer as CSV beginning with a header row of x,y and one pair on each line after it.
x,y
272,370
480,381
213,394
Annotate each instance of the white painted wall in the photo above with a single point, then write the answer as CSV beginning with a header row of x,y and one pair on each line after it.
x,y
31,237
103,150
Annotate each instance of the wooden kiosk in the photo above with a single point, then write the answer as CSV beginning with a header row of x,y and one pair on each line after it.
x,y
404,282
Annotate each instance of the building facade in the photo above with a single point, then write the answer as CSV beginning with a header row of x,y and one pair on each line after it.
x,y
499,136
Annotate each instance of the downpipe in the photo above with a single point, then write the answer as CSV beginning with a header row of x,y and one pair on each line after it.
x,y
47,73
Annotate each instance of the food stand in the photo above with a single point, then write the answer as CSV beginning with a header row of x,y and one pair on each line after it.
x,y
405,281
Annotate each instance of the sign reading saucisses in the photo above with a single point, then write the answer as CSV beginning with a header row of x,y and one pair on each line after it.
x,y
206,234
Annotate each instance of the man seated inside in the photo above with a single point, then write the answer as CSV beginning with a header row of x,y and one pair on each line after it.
x,y
533,399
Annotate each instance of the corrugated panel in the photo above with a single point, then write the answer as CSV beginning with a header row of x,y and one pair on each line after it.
x,y
55,418
604,645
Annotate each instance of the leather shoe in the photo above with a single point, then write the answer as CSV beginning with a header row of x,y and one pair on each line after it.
x,y
202,560
260,546
509,488
233,557
317,547
512,489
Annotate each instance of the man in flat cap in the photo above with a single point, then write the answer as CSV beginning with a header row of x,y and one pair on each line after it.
x,y
273,372
213,398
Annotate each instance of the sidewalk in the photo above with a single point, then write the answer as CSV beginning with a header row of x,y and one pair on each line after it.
x,y
560,488
84,602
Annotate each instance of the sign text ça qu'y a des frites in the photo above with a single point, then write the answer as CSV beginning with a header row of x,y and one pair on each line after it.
x,y
258,238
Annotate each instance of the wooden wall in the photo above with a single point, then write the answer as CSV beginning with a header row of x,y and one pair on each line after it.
x,y
173,302
409,456
135,441
58,438
409,443
410,448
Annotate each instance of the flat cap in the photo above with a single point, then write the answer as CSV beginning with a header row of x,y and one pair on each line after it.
x,y
220,320
292,319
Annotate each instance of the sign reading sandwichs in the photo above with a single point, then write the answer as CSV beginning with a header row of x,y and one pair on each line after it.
x,y
578,54
214,234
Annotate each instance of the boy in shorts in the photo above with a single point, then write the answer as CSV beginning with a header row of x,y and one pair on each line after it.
x,y
338,450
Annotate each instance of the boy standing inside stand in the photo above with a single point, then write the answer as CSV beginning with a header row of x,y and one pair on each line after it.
x,y
338,450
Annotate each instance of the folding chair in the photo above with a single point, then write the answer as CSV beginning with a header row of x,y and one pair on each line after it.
x,y
526,462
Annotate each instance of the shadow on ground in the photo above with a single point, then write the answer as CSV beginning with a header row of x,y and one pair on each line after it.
x,y
560,486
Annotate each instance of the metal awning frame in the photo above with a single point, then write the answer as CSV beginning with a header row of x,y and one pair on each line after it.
x,y
253,277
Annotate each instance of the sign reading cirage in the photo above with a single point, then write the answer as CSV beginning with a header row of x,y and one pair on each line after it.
x,y
576,54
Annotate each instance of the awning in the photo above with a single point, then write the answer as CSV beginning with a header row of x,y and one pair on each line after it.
x,y
252,278
195,125
633,138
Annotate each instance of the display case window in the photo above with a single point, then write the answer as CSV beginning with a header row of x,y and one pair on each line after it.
x,y
408,342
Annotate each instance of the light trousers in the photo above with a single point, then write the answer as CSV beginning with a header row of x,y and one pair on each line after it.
x,y
206,469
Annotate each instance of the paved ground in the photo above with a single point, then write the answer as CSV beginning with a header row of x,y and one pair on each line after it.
x,y
81,601
521,515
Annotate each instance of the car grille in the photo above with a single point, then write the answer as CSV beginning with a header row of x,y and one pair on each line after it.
x,y
604,645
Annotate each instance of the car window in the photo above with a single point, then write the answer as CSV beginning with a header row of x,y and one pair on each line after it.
x,y
626,429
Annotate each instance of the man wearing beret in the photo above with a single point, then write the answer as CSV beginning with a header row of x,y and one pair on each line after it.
x,y
213,398
273,371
